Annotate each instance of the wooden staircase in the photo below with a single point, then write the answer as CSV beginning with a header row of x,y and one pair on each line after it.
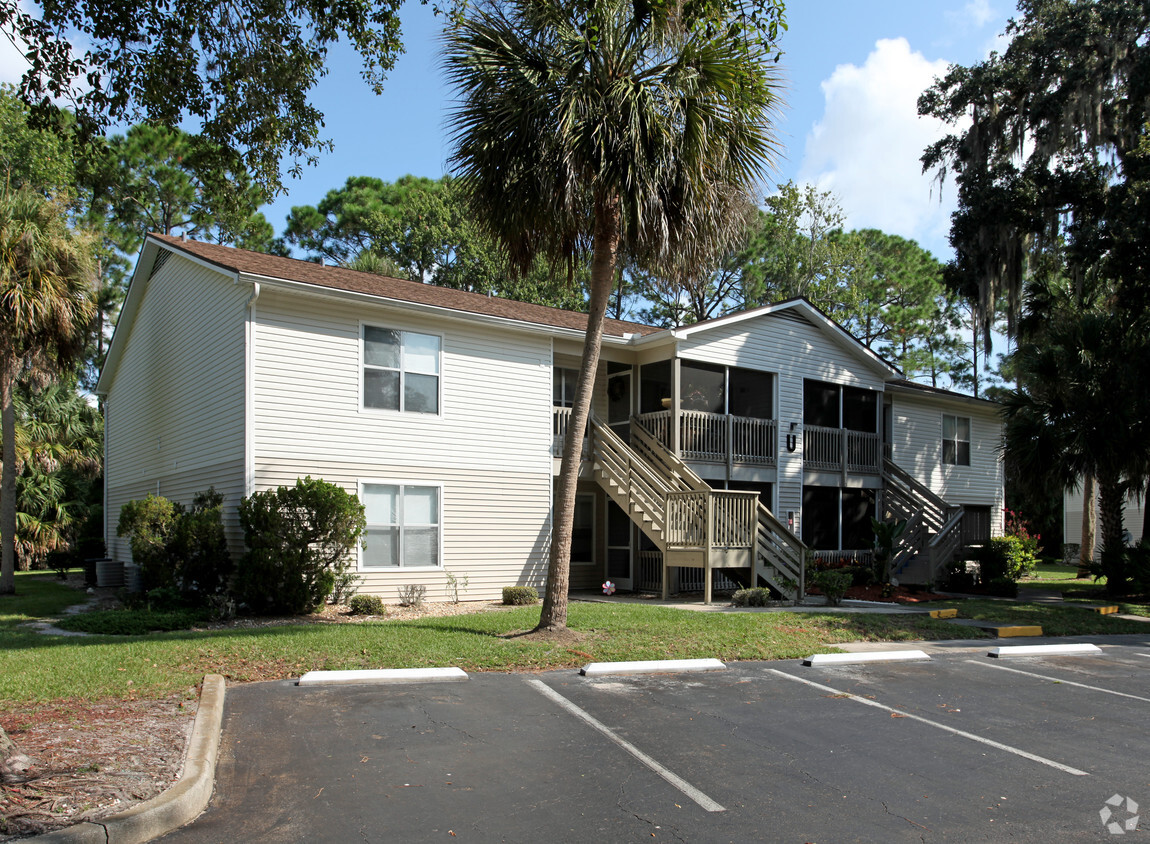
x,y
933,534
691,524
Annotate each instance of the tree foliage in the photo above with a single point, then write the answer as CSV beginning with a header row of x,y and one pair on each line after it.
x,y
242,70
1046,153
59,446
420,229
1081,407
45,313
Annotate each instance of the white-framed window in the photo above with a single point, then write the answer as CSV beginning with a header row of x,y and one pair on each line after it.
x,y
404,525
400,370
583,531
955,440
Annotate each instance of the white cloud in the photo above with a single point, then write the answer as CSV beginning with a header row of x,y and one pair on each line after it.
x,y
866,147
979,12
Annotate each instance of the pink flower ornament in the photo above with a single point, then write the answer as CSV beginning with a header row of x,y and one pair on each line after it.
x,y
608,588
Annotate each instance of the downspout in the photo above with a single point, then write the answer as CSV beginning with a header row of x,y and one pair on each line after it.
x,y
249,391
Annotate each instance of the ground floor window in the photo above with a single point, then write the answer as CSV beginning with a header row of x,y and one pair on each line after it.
x,y
837,519
403,525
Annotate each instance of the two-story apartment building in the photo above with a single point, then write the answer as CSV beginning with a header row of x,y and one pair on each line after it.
x,y
739,443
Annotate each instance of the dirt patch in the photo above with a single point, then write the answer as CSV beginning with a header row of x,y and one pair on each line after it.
x,y
92,760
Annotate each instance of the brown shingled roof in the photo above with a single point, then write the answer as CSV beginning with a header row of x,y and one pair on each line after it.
x,y
341,278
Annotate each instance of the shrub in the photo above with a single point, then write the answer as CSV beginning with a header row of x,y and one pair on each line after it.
x,y
833,584
755,596
1006,558
148,523
345,583
199,549
179,549
412,595
520,595
299,538
367,605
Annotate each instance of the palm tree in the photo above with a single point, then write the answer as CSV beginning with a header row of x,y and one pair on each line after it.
x,y
46,310
600,128
1081,408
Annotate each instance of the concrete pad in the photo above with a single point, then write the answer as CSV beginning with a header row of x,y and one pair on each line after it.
x,y
653,666
383,675
1044,650
819,660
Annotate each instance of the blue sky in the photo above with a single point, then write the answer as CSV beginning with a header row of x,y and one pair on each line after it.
x,y
853,70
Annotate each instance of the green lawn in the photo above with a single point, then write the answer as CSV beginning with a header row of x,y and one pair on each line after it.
x,y
1055,620
1065,578
36,669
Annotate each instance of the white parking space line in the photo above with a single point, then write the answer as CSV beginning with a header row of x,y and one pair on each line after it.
x,y
1057,680
674,779
1006,747
1141,654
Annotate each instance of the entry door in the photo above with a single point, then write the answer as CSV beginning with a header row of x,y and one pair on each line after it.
x,y
619,553
619,404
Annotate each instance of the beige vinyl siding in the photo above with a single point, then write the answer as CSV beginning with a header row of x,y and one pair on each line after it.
x,y
795,350
175,410
917,448
495,389
496,526
489,447
1133,519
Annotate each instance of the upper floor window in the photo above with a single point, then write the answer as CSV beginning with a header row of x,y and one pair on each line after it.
x,y
956,440
400,370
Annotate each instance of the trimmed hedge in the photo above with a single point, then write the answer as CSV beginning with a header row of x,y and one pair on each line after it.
x,y
520,595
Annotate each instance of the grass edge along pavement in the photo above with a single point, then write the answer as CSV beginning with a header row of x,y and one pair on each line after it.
x,y
37,668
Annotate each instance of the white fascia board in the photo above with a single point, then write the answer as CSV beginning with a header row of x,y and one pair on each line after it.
x,y
986,405
335,294
143,270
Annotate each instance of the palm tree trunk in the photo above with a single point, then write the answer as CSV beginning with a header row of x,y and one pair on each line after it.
x,y
1111,497
1086,549
8,481
553,616
1145,521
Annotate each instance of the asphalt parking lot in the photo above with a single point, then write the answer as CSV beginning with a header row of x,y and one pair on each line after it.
x,y
960,748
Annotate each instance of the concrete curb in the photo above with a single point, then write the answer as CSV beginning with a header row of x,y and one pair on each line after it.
x,y
655,666
816,660
382,675
179,804
1070,649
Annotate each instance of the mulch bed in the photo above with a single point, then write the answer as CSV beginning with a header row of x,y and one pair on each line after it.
x,y
900,595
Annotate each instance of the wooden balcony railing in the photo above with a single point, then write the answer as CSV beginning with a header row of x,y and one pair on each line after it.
x,y
718,519
717,437
839,450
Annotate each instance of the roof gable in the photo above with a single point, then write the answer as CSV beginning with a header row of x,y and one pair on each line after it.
x,y
799,308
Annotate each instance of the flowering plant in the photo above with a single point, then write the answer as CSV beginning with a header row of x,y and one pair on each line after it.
x,y
1020,527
